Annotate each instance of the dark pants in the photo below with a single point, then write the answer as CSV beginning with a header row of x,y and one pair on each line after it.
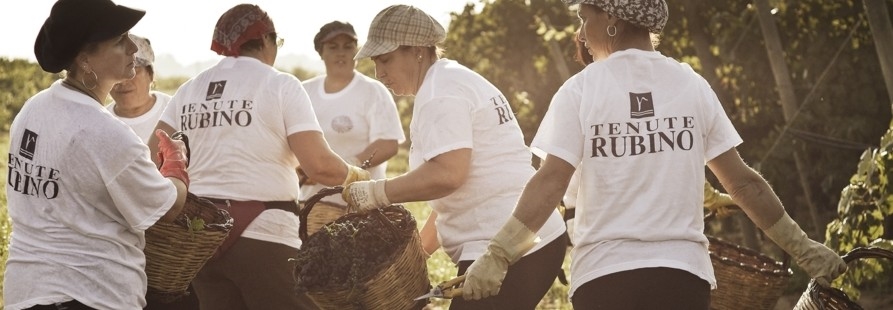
x,y
253,274
641,289
526,281
188,302
68,305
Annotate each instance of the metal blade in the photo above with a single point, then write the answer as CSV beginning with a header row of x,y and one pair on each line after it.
x,y
426,296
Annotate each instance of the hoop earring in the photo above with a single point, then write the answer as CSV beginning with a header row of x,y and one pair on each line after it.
x,y
95,78
420,58
610,32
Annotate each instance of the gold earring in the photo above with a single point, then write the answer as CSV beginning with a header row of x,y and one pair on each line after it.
x,y
612,30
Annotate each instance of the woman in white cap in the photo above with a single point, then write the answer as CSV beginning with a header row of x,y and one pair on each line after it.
x,y
358,116
640,127
468,159
136,103
249,125
82,188
140,107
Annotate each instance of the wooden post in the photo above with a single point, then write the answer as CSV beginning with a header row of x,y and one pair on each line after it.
x,y
788,101
882,31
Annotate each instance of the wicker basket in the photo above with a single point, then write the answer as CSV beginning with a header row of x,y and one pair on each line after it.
x,y
817,297
745,279
175,253
322,214
392,284
325,212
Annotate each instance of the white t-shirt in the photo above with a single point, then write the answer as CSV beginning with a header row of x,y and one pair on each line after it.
x,y
648,125
351,119
81,192
238,115
456,108
144,125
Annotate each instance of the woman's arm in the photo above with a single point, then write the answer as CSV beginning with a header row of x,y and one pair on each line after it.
x,y
428,234
434,179
377,152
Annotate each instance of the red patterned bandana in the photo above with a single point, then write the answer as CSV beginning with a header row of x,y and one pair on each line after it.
x,y
240,24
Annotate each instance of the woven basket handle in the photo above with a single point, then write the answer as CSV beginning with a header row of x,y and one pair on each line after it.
x,y
867,252
305,212
179,135
831,298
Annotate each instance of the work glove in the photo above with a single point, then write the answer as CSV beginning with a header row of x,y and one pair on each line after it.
x,y
719,203
366,195
172,155
484,277
819,262
355,174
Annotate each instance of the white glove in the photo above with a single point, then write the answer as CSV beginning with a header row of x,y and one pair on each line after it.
x,y
366,195
819,262
484,277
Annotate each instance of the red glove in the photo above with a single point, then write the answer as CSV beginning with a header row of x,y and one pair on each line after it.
x,y
172,155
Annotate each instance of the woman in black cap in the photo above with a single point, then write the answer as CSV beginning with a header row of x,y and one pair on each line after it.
x,y
82,188
357,114
640,127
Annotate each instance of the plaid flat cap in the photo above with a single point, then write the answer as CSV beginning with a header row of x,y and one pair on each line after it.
x,y
399,25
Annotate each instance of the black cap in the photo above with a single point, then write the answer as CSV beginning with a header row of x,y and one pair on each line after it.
x,y
74,23
330,31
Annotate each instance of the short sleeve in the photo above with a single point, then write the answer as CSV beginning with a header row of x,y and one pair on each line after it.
x,y
560,133
384,119
170,114
721,135
297,109
447,126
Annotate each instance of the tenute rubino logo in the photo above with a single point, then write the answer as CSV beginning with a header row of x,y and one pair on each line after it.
x,y
641,105
28,178
215,90
28,145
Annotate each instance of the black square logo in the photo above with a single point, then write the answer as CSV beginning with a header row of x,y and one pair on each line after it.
x,y
28,145
215,90
641,105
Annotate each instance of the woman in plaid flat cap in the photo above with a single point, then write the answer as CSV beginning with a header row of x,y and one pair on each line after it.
x,y
640,127
468,159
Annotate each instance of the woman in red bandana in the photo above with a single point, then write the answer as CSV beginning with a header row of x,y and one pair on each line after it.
x,y
248,126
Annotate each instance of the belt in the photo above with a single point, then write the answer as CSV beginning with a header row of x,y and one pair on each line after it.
x,y
569,213
284,205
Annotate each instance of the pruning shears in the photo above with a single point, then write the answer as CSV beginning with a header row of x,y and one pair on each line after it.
x,y
368,162
446,289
